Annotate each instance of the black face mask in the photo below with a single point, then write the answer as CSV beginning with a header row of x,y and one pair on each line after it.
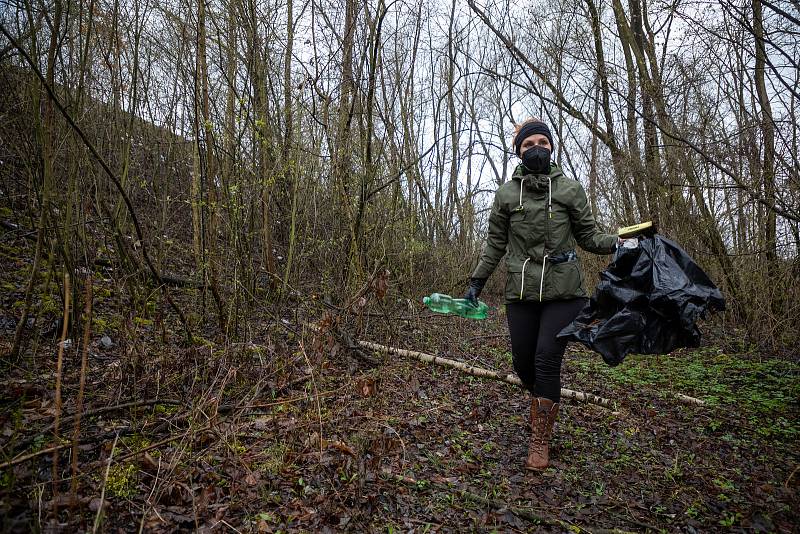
x,y
537,160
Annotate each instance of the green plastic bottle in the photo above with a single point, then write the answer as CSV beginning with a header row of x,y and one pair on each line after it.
x,y
446,304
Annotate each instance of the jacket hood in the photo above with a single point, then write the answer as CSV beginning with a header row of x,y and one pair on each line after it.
x,y
522,172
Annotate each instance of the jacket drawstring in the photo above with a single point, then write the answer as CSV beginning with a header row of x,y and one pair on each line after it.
x,y
522,285
521,186
541,282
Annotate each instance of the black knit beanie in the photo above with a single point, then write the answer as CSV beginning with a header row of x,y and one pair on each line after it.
x,y
529,129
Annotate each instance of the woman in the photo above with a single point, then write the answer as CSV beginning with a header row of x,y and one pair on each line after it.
x,y
536,220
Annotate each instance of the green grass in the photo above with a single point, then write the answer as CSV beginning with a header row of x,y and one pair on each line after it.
x,y
765,391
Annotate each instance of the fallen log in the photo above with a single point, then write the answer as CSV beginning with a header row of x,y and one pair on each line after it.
x,y
483,373
508,378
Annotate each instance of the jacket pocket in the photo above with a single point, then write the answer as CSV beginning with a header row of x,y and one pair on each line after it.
x,y
563,281
523,284
520,226
513,285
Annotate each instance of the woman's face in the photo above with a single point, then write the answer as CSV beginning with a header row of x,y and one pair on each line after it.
x,y
535,140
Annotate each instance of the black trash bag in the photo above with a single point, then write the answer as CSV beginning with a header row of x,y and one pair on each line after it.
x,y
647,302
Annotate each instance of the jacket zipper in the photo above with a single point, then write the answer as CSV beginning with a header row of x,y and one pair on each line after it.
x,y
546,235
546,232
525,263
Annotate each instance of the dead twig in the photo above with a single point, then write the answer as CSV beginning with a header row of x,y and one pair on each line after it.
x,y
488,336
87,327
103,491
166,441
95,440
633,521
316,396
786,484
260,406
354,348
59,372
25,458
97,411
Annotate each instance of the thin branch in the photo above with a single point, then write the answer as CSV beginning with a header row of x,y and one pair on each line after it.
x,y
97,411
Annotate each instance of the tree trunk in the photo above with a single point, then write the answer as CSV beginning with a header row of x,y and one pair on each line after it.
x,y
768,135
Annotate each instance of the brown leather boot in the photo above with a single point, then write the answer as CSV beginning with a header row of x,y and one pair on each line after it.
x,y
543,415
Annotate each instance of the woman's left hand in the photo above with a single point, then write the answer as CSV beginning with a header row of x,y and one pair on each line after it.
x,y
474,290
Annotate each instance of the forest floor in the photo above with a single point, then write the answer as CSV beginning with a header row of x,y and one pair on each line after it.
x,y
293,432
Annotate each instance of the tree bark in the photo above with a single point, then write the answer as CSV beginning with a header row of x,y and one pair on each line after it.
x,y
768,133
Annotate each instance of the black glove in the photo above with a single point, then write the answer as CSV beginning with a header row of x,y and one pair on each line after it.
x,y
474,290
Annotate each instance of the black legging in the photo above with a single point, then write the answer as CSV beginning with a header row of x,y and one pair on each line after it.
x,y
536,352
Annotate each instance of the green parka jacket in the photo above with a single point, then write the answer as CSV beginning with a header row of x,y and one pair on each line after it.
x,y
536,220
